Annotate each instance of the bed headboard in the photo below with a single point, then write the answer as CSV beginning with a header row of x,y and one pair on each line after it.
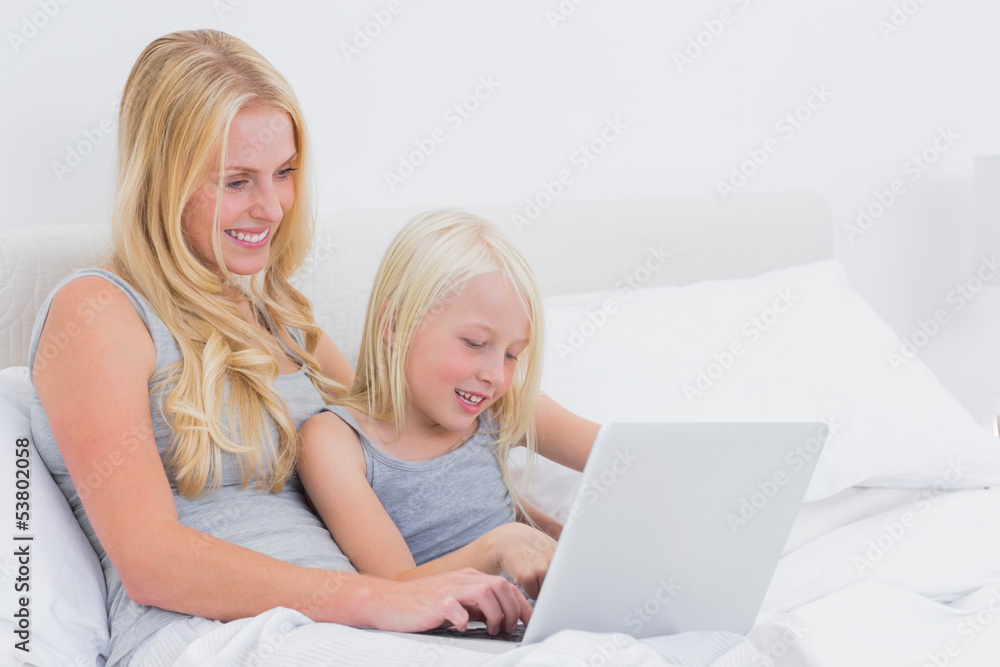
x,y
573,247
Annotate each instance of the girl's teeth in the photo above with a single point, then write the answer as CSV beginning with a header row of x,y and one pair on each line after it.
x,y
469,398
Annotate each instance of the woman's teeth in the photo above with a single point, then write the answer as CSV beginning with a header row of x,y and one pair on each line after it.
x,y
249,238
469,398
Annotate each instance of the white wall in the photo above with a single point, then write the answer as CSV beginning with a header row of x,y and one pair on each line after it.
x,y
685,128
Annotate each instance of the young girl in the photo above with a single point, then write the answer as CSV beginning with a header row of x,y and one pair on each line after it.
x,y
409,472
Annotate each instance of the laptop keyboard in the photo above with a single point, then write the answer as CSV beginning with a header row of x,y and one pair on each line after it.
x,y
479,631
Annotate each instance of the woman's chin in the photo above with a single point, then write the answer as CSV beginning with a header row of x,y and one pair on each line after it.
x,y
247,266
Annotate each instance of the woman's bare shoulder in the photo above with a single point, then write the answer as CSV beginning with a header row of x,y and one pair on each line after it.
x,y
90,316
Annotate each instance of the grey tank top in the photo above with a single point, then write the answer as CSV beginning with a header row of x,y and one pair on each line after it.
x,y
443,503
280,525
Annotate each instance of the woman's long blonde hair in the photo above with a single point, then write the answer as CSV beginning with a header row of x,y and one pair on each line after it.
x,y
425,266
177,107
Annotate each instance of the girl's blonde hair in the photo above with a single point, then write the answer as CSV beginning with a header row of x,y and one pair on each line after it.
x,y
425,267
177,107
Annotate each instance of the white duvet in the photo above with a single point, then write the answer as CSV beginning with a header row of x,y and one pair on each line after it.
x,y
285,638
879,577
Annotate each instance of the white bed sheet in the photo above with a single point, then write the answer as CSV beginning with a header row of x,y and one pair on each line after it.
x,y
887,577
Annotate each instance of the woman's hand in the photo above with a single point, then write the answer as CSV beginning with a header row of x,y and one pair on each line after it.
x,y
523,552
451,598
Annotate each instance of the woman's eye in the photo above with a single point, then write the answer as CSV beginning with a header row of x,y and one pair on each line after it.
x,y
237,184
285,173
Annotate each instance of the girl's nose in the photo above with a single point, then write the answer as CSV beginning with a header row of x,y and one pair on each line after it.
x,y
492,369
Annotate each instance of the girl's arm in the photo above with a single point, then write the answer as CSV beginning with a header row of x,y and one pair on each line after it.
x,y
544,522
331,465
521,551
563,437
96,399
332,469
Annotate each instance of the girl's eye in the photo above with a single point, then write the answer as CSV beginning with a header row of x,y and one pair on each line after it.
x,y
511,357
286,172
473,344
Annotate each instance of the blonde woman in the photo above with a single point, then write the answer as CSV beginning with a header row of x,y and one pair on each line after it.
x,y
409,472
188,362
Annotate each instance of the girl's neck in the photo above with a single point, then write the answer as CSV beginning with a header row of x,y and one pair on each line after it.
x,y
417,442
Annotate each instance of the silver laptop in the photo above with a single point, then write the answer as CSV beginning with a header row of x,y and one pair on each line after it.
x,y
674,527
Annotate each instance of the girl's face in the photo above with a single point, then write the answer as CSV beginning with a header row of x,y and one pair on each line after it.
x,y
463,355
258,187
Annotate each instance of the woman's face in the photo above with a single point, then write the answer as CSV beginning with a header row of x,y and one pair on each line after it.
x,y
258,187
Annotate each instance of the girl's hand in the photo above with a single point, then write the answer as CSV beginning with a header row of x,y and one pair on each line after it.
x,y
524,553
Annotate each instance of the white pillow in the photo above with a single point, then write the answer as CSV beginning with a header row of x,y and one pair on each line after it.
x,y
66,597
795,344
